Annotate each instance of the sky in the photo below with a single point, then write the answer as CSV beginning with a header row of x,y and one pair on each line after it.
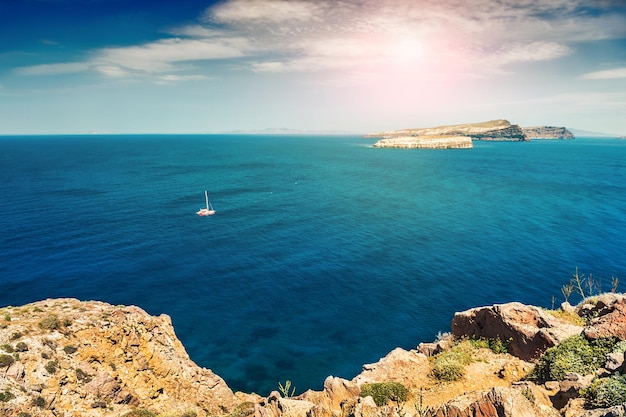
x,y
350,66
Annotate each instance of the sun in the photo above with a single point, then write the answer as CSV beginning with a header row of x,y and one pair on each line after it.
x,y
406,50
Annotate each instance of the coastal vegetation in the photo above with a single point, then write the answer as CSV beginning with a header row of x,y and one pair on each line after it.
x,y
383,392
575,354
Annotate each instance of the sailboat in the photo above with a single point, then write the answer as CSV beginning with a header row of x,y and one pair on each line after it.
x,y
208,211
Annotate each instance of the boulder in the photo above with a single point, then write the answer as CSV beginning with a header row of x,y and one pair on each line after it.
x,y
498,402
528,330
610,317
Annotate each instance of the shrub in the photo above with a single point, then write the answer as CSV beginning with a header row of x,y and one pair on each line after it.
x,y
382,392
607,392
52,367
574,354
245,409
7,348
21,347
139,413
50,322
23,414
496,345
39,402
6,396
70,349
449,365
16,336
6,361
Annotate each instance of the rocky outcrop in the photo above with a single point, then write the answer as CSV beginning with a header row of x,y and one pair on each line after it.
x,y
547,132
519,401
90,359
608,313
426,142
94,359
528,330
452,136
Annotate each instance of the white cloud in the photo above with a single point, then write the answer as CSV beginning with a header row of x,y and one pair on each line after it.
x,y
262,11
53,69
161,56
314,35
605,74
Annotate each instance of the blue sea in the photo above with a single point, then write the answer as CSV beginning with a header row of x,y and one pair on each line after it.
x,y
325,253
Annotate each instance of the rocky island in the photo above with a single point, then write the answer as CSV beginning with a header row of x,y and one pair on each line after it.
x,y
547,132
462,136
449,137
65,357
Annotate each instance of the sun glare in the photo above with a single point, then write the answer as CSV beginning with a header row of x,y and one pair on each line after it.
x,y
408,50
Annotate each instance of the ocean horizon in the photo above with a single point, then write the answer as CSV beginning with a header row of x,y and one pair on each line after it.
x,y
324,253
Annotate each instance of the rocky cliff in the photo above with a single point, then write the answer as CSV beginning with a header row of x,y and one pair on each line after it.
x,y
69,358
547,132
452,136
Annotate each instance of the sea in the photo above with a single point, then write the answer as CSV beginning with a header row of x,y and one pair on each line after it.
x,y
324,253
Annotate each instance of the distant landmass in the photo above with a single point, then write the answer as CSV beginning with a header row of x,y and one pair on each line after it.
x,y
591,134
285,131
462,135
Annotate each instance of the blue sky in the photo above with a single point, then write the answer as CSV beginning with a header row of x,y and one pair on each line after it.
x,y
192,66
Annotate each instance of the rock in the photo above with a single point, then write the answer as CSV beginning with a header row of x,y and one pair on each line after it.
x,y
498,402
528,330
426,142
399,365
614,361
547,132
81,354
610,320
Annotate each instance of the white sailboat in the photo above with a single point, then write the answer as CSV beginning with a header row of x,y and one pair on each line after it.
x,y
208,211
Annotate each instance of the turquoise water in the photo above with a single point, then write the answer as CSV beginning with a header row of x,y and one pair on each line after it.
x,y
324,254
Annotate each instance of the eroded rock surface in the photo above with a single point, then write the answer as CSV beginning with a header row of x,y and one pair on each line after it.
x,y
528,330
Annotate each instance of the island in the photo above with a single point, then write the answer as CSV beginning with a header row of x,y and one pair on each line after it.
x,y
547,132
450,136
461,136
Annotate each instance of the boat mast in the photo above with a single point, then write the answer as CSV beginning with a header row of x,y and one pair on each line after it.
x,y
206,196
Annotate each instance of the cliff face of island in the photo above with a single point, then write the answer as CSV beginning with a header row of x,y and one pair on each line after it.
x,y
64,357
547,132
452,136
461,136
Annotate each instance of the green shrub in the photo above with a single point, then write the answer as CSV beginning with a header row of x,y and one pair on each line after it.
x,y
245,409
50,322
52,367
39,402
574,354
7,348
23,414
449,365
607,392
6,361
21,347
496,345
6,396
139,413
70,349
16,336
382,392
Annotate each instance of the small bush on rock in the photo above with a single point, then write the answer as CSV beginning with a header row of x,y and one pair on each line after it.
x,y
6,396
139,413
607,392
382,392
449,365
52,367
574,354
6,361
50,322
